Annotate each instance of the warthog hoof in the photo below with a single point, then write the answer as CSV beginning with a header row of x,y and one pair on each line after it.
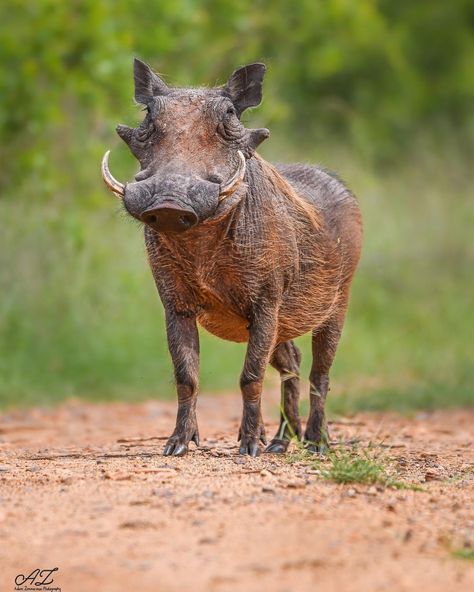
x,y
177,445
317,447
277,446
249,443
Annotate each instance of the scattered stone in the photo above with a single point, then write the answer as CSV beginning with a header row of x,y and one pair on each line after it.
x,y
162,492
268,489
207,541
351,492
66,479
34,469
4,469
160,471
295,484
432,475
118,476
394,445
265,473
372,490
137,524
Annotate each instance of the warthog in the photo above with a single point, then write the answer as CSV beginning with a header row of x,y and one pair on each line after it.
x,y
254,252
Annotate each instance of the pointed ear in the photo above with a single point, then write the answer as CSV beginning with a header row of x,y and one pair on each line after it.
x,y
244,87
147,83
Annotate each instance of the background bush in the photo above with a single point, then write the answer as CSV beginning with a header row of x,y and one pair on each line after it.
x,y
381,91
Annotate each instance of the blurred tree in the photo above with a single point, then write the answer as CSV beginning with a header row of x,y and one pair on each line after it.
x,y
372,72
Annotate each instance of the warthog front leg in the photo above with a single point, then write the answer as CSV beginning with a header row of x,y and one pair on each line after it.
x,y
183,343
262,332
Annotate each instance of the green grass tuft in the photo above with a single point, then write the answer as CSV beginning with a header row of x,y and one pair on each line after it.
x,y
344,466
463,554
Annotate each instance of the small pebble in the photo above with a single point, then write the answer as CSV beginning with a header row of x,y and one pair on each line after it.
x,y
293,484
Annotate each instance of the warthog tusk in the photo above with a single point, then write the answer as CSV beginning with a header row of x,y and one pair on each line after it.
x,y
115,186
225,189
231,185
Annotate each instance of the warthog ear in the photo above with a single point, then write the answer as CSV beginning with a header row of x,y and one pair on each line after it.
x,y
147,83
244,87
256,137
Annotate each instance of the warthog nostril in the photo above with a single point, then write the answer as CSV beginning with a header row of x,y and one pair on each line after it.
x,y
151,219
186,221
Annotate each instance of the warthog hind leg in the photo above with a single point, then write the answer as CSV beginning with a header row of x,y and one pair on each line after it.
x,y
286,359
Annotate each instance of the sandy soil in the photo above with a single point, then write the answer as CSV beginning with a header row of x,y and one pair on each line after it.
x,y
84,488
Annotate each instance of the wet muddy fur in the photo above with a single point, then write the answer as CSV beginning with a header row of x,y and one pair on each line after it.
x,y
272,260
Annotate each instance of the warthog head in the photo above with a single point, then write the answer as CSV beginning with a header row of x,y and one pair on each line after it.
x,y
191,146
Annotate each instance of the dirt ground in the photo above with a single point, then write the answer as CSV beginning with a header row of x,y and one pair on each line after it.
x,y
84,488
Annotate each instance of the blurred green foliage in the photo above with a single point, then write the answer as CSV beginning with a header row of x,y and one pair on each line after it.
x,y
381,91
372,72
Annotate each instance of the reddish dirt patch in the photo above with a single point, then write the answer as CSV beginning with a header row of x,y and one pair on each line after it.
x,y
84,488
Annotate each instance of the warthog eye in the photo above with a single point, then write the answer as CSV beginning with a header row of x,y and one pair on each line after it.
x,y
215,179
230,127
143,135
145,131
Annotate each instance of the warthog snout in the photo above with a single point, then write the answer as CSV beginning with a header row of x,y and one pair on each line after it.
x,y
174,203
169,217
167,201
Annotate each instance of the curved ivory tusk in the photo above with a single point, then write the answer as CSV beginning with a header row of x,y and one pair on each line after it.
x,y
115,186
232,184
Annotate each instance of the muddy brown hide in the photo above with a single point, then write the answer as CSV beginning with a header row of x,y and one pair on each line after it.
x,y
263,262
